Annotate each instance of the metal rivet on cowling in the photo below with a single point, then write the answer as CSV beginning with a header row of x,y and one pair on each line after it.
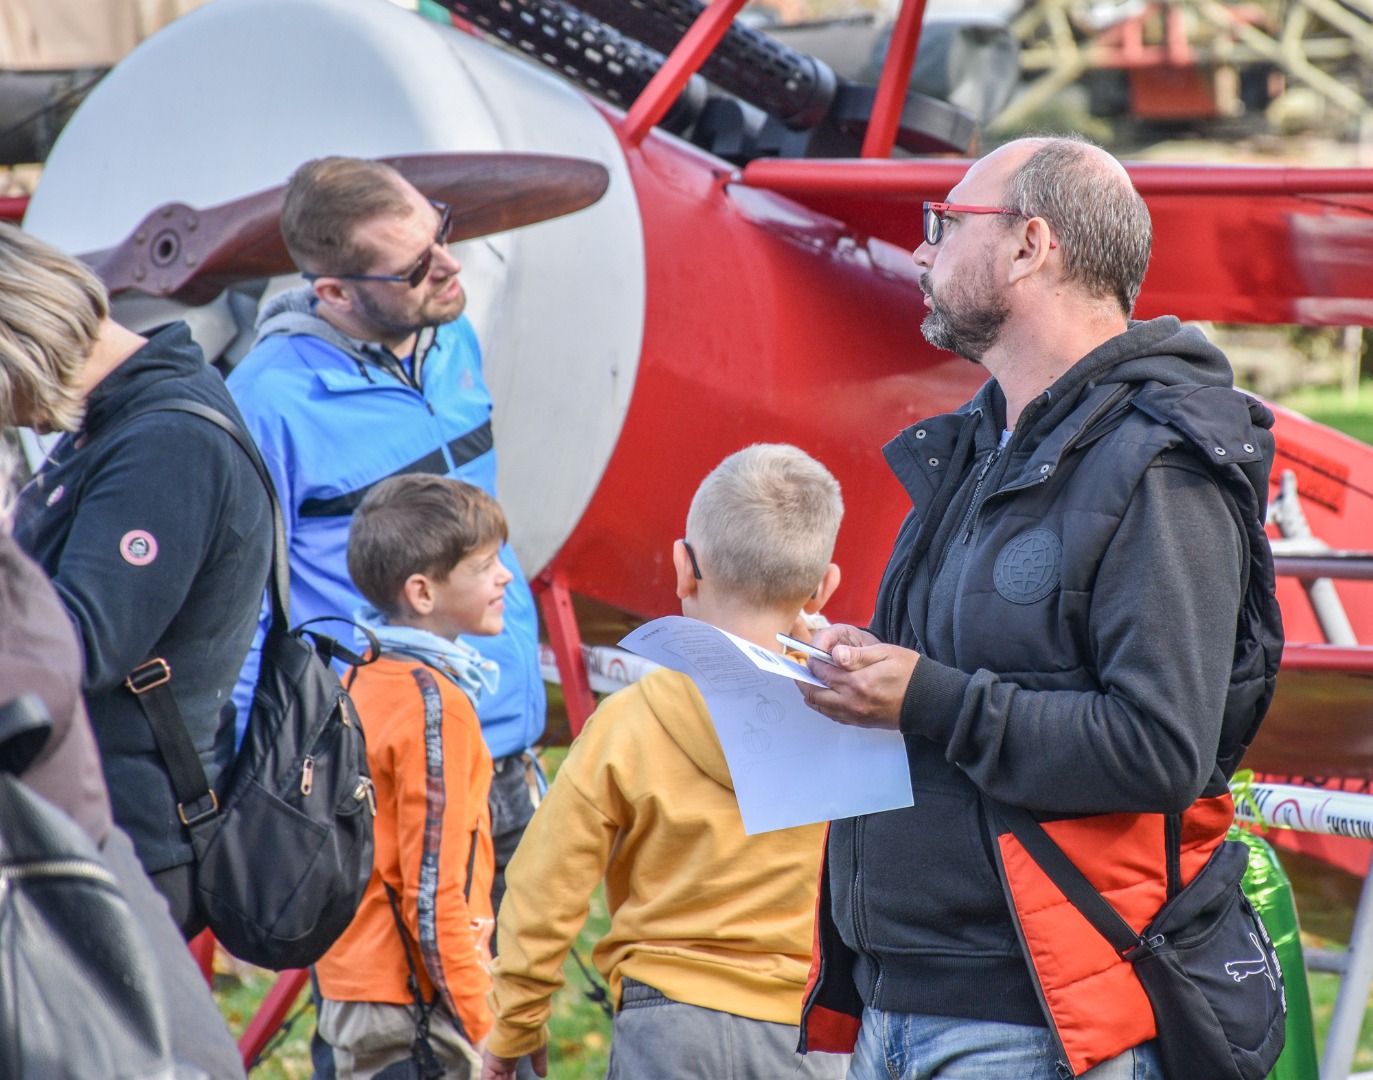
x,y
919,433
1220,451
934,462
1248,448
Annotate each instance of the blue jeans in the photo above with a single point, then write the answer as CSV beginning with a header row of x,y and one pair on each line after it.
x,y
909,1046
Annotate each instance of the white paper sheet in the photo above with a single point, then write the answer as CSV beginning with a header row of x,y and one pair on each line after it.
x,y
790,765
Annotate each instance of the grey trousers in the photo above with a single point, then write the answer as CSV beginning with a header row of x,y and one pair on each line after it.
x,y
367,1037
655,1038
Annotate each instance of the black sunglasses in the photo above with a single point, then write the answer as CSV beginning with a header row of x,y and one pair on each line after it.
x,y
417,273
695,566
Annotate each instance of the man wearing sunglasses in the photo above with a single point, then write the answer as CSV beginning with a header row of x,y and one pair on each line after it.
x,y
1078,620
368,371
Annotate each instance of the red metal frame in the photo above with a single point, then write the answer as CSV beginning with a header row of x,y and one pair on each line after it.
x,y
565,638
895,81
662,90
202,948
801,178
271,1013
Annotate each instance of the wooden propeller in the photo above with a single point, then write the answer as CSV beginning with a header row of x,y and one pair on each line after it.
x,y
194,255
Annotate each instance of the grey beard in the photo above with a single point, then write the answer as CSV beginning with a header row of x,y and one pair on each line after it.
x,y
968,337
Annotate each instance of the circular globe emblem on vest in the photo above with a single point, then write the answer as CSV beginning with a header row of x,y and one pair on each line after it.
x,y
1029,567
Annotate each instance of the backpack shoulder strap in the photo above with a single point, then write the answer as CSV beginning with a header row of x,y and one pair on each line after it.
x,y
197,804
281,569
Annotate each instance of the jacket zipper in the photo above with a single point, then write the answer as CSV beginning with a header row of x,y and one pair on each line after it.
x,y
1172,845
857,890
72,867
977,490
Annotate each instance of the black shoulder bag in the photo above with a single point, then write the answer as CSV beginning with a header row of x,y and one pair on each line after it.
x,y
284,847
1205,960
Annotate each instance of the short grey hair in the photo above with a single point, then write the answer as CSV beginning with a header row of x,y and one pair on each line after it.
x,y
764,522
51,311
1100,221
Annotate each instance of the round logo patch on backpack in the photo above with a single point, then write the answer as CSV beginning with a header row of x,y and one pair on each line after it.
x,y
1029,567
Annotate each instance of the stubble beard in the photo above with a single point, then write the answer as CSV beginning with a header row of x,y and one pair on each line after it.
x,y
428,314
968,322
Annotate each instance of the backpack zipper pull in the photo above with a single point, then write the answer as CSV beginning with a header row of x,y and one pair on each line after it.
x,y
367,790
307,776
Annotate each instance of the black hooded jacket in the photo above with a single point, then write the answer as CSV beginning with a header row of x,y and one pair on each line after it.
x,y
1093,608
157,536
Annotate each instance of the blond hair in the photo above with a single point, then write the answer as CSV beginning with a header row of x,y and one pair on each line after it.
x,y
764,522
51,311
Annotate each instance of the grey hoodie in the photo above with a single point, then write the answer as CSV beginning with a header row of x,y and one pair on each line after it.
x,y
292,314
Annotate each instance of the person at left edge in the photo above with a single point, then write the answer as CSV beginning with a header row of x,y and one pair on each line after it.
x,y
156,532
370,371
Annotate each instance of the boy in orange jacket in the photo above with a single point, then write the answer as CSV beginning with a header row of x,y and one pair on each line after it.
x,y
424,551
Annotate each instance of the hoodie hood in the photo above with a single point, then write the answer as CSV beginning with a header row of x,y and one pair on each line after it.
x,y
1161,350
157,369
681,711
292,314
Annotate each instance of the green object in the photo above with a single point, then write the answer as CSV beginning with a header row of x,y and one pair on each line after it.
x,y
1266,885
435,11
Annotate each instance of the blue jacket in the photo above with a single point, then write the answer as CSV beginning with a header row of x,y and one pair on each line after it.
x,y
334,416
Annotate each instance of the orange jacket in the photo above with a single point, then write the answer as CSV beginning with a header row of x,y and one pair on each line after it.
x,y
433,828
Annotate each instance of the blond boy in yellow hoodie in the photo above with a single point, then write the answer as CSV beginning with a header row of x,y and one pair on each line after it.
x,y
710,931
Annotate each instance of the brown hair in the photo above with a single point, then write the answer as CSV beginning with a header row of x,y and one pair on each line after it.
x,y
1101,221
326,200
417,524
51,310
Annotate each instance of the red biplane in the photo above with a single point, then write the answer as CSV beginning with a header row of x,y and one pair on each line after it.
x,y
724,262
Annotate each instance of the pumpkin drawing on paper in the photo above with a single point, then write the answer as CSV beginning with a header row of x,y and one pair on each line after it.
x,y
769,711
756,740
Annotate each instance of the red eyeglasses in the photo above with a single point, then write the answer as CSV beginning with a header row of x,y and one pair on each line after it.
x,y
935,211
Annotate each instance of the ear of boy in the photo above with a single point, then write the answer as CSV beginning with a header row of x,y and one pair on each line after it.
x,y
821,596
700,601
686,573
416,596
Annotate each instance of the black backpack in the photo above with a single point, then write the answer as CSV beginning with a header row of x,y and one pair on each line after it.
x,y
284,846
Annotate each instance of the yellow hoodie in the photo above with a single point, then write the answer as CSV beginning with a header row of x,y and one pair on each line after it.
x,y
699,911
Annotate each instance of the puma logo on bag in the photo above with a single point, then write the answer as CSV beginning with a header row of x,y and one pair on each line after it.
x,y
1239,970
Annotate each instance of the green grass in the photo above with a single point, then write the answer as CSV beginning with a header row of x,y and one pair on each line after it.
x,y
1324,987
1328,405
